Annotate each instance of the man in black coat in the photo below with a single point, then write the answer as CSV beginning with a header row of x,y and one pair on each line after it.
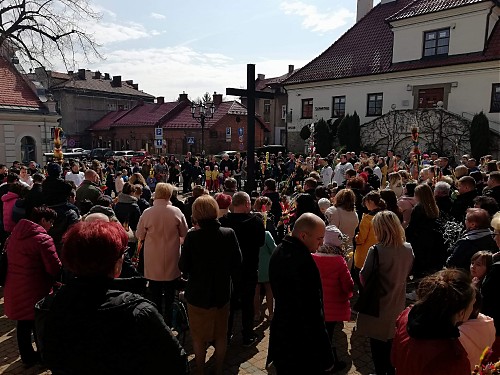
x,y
299,343
493,187
476,237
465,198
251,234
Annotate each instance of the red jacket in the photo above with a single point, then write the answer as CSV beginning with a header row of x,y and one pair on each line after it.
x,y
426,356
32,266
9,200
337,286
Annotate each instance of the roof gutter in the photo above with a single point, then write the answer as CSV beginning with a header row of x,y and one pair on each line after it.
x,y
488,26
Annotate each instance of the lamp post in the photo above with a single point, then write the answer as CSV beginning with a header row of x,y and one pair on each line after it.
x,y
204,112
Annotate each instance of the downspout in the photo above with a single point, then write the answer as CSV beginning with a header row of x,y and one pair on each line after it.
x,y
487,27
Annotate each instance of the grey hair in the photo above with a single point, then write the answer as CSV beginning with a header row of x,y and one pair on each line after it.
x,y
442,189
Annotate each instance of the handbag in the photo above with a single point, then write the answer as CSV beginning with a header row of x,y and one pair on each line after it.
x,y
3,264
368,302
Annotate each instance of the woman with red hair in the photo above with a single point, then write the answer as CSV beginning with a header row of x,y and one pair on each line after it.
x,y
87,327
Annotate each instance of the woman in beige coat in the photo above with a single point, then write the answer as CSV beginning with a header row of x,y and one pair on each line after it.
x,y
162,227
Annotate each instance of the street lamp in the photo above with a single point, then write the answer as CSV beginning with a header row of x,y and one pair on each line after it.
x,y
204,112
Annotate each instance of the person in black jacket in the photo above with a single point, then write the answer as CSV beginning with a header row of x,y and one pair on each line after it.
x,y
465,198
476,237
251,234
299,342
211,266
127,212
87,327
34,198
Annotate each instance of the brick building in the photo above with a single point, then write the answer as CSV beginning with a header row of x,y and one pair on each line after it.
x,y
135,128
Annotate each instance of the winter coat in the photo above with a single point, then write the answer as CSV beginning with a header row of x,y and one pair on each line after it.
x,y
346,221
406,205
265,253
274,196
55,190
34,198
461,204
251,234
33,265
426,238
470,243
475,335
337,286
161,227
211,266
298,337
127,210
489,291
364,239
88,328
9,200
436,350
394,267
87,191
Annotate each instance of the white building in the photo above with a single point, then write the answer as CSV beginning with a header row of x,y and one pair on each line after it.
x,y
403,55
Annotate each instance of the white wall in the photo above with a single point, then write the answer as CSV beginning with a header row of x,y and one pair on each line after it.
x,y
472,94
467,33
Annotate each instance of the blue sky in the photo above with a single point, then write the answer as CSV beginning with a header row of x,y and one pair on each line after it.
x,y
198,46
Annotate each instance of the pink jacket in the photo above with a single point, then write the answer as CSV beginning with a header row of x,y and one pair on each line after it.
x,y
33,265
9,200
406,205
161,227
337,286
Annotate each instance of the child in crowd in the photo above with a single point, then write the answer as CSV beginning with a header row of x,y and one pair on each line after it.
x,y
215,179
119,182
208,178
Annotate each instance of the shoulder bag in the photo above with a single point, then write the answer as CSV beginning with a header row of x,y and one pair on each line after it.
x,y
369,298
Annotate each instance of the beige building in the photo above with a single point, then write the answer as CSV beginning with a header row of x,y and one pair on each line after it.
x,y
404,55
25,121
84,97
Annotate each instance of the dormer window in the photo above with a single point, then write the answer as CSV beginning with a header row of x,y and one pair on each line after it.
x,y
436,42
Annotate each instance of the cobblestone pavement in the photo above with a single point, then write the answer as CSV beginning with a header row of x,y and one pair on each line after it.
x,y
351,348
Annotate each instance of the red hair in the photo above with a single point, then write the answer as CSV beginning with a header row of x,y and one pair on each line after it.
x,y
92,248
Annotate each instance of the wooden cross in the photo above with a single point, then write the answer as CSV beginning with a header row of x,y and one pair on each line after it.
x,y
251,95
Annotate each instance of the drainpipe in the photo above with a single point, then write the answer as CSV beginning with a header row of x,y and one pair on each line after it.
x,y
487,27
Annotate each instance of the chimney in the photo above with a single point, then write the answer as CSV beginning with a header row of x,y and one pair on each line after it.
x,y
160,100
51,106
70,72
183,97
135,86
364,6
97,75
261,76
130,82
290,68
216,99
81,73
106,76
117,81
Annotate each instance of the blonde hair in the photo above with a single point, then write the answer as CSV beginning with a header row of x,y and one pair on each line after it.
x,y
394,178
426,198
495,222
205,208
388,229
163,191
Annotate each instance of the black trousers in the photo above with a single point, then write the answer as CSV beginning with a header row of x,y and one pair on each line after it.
x,y
24,330
381,356
245,294
163,291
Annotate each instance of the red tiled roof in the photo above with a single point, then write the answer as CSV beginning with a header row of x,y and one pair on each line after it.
x,y
107,120
184,120
261,84
100,84
149,114
420,7
15,92
366,48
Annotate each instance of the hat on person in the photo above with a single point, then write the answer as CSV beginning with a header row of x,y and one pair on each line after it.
x,y
54,170
333,236
223,200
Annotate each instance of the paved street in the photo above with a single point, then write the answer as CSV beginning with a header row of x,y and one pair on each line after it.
x,y
352,349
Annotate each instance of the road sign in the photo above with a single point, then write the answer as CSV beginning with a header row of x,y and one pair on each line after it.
x,y
158,133
240,139
158,143
71,142
228,134
241,146
190,140
240,132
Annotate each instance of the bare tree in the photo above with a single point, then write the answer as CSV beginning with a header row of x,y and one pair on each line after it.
x,y
43,30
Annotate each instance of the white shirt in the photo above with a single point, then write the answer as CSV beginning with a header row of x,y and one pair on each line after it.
x,y
340,170
326,175
76,178
377,172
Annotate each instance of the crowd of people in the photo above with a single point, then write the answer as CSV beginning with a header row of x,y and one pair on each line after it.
x,y
99,253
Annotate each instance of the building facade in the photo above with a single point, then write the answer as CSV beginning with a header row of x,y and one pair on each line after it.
x,y
404,55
